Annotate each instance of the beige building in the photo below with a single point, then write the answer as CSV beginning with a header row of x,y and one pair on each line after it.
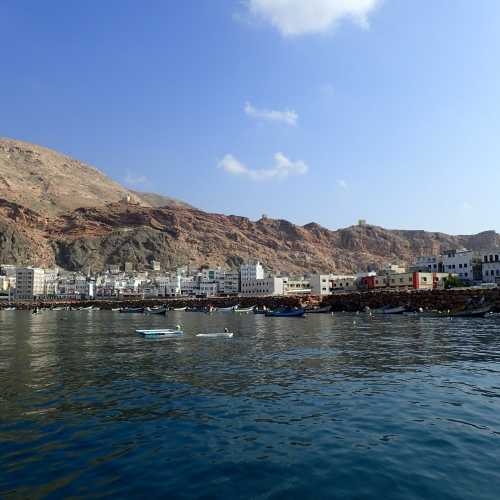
x,y
30,283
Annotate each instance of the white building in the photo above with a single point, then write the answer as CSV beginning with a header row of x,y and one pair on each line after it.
x,y
326,284
298,286
251,272
320,284
29,283
264,286
491,266
430,263
466,264
229,283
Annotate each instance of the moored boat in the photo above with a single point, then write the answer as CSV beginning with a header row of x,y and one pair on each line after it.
x,y
160,333
132,310
475,312
179,309
227,309
391,310
244,310
227,335
157,310
319,310
286,313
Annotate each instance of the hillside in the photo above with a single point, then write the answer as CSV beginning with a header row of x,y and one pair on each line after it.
x,y
56,210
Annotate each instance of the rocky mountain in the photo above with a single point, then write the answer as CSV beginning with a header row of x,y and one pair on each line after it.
x,y
58,211
158,200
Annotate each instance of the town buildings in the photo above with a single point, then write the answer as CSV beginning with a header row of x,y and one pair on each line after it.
x,y
491,266
122,282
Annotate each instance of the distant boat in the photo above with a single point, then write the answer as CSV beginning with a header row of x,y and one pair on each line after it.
x,y
478,312
58,309
179,308
160,333
10,309
319,310
157,310
227,309
89,308
245,310
132,310
391,310
228,335
286,313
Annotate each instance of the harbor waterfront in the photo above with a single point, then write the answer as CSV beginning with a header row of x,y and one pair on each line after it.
x,y
326,406
428,300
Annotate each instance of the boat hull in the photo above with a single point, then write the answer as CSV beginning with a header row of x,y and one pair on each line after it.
x,y
299,313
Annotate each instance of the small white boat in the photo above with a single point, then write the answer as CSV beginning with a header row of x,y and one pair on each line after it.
x,y
246,310
58,309
226,335
10,309
227,309
115,309
179,308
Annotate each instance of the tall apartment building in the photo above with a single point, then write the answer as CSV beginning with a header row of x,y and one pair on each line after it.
x,y
30,283
251,272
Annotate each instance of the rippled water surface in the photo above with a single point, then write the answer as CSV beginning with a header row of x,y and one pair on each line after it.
x,y
323,407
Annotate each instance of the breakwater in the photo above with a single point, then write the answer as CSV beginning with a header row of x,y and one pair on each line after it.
x,y
441,300
428,300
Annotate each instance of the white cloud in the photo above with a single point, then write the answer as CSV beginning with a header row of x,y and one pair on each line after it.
x,y
299,17
342,184
282,168
135,180
287,116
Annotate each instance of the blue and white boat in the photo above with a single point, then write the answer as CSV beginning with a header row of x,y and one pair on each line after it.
x,y
286,313
160,333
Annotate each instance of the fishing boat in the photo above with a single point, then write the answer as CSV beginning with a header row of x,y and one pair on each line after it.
x,y
319,310
245,310
132,310
227,335
286,313
157,310
227,309
391,310
260,310
160,333
476,312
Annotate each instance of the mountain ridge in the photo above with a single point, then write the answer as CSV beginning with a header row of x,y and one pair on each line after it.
x,y
41,223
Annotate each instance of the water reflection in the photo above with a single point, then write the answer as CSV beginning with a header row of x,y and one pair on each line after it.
x,y
84,400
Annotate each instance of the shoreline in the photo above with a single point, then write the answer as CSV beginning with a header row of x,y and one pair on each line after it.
x,y
428,300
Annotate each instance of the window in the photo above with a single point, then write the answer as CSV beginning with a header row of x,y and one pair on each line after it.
x,y
485,258
466,274
460,266
424,279
496,258
465,265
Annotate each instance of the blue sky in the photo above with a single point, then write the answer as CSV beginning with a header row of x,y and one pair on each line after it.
x,y
326,110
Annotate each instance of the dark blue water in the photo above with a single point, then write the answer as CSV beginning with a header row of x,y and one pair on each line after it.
x,y
323,407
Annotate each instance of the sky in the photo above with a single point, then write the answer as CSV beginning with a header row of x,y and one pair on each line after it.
x,y
327,110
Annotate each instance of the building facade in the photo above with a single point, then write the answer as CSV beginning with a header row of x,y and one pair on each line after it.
x,y
30,283
491,266
251,272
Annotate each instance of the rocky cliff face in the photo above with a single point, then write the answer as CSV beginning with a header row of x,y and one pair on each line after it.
x,y
96,237
55,210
